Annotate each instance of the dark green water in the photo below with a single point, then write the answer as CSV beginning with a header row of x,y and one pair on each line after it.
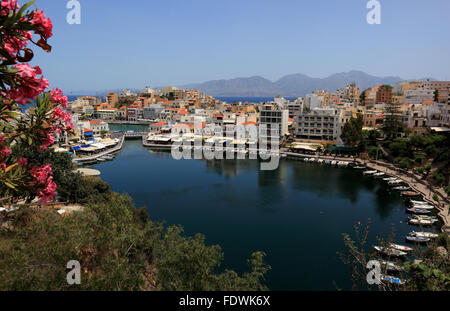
x,y
296,214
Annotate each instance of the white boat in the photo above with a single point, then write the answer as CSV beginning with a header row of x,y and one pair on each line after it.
x,y
421,222
401,188
320,161
333,162
370,172
426,207
401,247
419,202
342,163
306,159
312,160
424,234
380,174
389,178
395,182
390,251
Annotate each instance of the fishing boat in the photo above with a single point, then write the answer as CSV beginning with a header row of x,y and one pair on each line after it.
x,y
370,172
390,251
391,266
333,162
379,175
320,161
401,188
392,279
306,159
410,194
312,160
416,239
424,234
417,210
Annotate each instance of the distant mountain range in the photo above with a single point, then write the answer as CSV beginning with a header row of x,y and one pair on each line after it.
x,y
288,86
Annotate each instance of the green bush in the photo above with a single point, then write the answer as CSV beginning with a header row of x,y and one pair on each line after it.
x,y
420,170
435,197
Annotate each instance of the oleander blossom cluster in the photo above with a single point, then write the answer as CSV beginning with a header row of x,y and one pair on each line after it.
x,y
44,179
29,85
22,84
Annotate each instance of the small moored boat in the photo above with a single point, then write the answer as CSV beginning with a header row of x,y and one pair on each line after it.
x,y
369,172
395,182
424,234
401,247
390,251
416,239
417,210
410,194
401,188
389,178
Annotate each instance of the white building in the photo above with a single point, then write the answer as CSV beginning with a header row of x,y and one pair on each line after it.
x,y
272,114
320,125
313,101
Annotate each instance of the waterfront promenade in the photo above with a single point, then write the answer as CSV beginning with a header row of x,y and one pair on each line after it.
x,y
417,183
93,157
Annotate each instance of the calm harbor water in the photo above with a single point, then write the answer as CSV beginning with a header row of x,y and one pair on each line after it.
x,y
295,214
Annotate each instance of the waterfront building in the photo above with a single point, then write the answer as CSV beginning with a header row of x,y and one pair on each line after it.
x,y
320,126
107,113
274,115
152,112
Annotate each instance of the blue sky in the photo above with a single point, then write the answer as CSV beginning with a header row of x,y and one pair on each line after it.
x,y
172,42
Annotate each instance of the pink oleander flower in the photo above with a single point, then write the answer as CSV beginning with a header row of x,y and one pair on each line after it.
x,y
30,86
43,23
43,176
23,162
3,166
49,140
8,5
5,152
48,193
59,98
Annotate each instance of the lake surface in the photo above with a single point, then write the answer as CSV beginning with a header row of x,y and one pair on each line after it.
x,y
295,214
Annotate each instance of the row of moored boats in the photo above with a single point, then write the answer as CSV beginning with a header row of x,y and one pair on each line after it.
x,y
420,216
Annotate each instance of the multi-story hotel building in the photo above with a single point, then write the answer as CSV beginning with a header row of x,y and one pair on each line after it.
x,y
320,125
